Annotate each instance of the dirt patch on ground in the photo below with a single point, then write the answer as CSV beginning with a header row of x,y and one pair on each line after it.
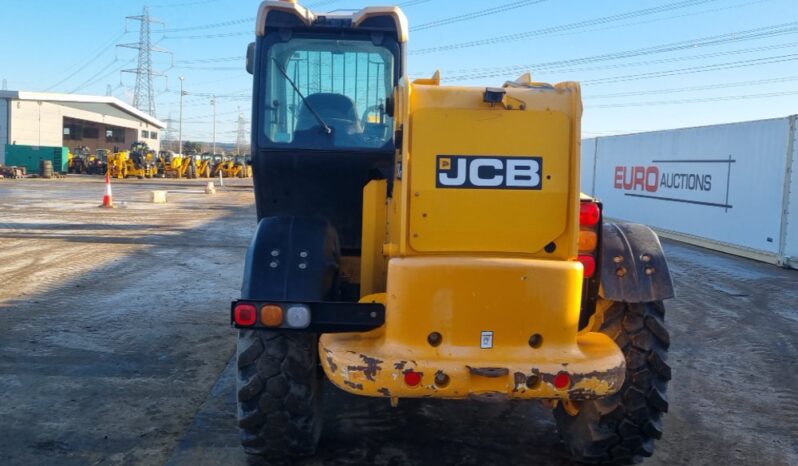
x,y
115,348
113,321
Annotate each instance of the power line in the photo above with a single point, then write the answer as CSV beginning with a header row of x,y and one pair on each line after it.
x,y
232,22
92,78
707,87
210,68
245,92
561,70
97,79
182,4
789,45
212,60
205,116
695,69
563,27
709,41
475,14
410,3
322,3
213,36
696,100
83,65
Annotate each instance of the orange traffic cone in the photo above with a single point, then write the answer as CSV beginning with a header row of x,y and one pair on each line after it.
x,y
107,199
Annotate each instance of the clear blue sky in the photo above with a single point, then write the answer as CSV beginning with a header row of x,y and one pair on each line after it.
x,y
674,63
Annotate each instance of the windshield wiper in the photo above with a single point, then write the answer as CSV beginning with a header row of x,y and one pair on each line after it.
x,y
327,129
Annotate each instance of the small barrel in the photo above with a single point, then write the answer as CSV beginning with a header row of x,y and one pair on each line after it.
x,y
47,168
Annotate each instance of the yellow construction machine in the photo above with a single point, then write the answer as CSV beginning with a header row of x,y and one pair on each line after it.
x,y
82,161
232,167
200,167
174,166
417,240
139,162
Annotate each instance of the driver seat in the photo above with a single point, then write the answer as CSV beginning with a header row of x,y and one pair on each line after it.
x,y
337,110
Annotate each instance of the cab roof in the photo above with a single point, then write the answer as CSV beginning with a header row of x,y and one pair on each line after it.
x,y
355,19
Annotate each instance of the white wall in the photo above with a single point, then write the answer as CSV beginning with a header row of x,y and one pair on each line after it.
x,y
587,165
791,243
3,129
42,124
135,125
721,183
36,123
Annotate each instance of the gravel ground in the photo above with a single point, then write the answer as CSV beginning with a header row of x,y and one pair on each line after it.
x,y
115,348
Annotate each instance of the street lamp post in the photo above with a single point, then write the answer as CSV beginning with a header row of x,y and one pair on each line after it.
x,y
180,128
213,102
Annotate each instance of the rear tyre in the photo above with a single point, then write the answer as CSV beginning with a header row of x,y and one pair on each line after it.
x,y
279,393
622,428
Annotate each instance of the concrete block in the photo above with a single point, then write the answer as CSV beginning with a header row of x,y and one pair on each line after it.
x,y
158,197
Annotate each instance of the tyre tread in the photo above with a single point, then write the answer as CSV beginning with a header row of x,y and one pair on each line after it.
x,y
622,428
278,390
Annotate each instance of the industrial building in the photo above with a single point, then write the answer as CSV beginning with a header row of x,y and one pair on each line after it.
x,y
69,120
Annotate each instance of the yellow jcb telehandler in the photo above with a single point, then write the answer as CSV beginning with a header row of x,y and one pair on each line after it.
x,y
440,249
232,167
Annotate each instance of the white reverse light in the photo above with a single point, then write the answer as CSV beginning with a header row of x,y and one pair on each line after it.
x,y
298,316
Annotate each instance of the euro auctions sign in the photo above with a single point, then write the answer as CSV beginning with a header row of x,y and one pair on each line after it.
x,y
735,185
691,181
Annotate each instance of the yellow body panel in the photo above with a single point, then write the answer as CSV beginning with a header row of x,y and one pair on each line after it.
x,y
535,120
373,263
463,261
488,220
460,298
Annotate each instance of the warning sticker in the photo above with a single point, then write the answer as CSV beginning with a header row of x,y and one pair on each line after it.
x,y
486,342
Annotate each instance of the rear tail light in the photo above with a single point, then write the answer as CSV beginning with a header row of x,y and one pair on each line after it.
x,y
589,214
412,378
589,223
298,316
588,240
589,264
245,315
562,381
271,315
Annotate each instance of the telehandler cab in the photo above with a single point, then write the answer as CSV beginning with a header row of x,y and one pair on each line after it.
x,y
417,240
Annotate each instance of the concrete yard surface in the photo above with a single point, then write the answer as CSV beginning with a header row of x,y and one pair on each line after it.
x,y
115,347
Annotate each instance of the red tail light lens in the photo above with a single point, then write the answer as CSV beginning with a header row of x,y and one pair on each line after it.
x,y
589,263
562,380
589,214
245,315
412,378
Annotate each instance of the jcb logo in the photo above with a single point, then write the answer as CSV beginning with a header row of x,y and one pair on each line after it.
x,y
474,171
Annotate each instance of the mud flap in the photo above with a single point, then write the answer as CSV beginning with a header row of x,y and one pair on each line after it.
x,y
633,265
291,258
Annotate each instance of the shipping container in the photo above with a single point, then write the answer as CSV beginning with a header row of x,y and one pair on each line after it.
x,y
791,199
588,165
31,157
727,187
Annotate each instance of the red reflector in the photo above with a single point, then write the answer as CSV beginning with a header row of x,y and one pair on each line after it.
x,y
589,263
245,315
412,378
562,380
589,214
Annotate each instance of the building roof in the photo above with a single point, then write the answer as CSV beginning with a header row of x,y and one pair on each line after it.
x,y
94,103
